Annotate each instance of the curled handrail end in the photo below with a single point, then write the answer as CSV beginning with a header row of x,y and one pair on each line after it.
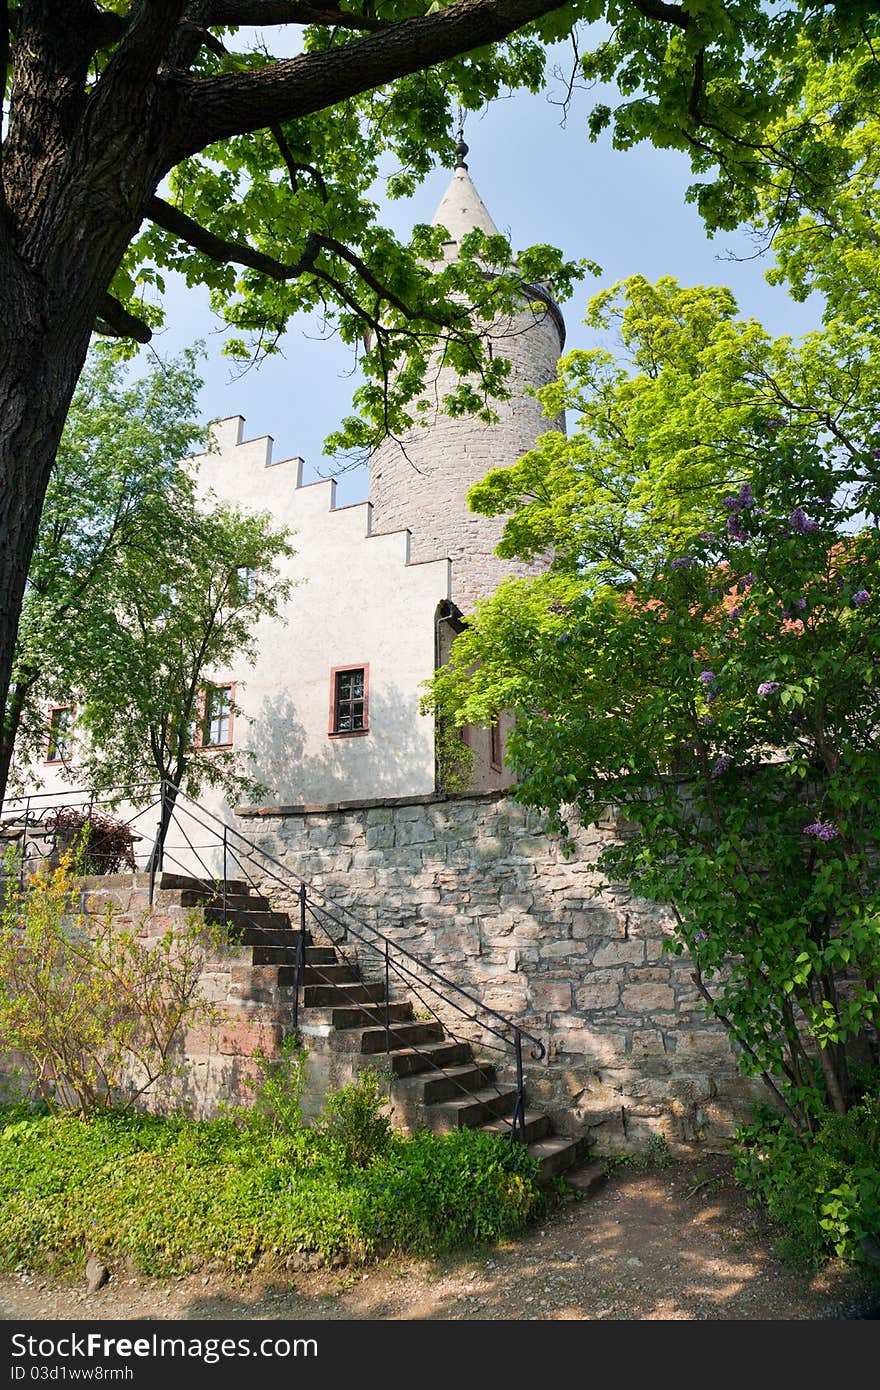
x,y
538,1053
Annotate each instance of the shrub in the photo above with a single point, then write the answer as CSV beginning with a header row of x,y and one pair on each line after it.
x,y
101,844
825,1191
355,1122
95,1012
275,1111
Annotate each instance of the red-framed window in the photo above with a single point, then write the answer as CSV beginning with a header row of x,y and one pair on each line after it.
x,y
214,724
349,701
496,746
59,744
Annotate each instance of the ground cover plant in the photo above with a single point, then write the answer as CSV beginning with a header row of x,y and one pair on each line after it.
x,y
166,1195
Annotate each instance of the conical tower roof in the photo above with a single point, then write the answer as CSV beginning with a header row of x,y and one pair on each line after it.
x,y
462,210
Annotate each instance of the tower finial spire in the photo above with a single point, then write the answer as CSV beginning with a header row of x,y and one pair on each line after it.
x,y
461,148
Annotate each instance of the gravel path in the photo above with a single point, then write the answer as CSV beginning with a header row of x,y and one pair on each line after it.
x,y
671,1244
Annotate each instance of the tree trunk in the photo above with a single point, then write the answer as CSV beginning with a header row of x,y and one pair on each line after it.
x,y
40,363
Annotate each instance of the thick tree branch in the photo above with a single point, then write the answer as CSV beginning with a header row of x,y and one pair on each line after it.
x,y
148,37
177,222
667,14
115,322
270,12
213,108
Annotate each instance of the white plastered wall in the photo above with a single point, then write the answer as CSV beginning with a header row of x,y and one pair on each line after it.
x,y
357,601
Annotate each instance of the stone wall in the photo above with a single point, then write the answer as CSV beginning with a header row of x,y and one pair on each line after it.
x,y
475,887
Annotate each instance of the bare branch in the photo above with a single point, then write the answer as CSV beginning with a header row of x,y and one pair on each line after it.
x,y
294,168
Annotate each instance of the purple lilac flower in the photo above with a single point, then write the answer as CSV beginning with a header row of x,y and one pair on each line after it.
x,y
735,529
801,523
822,830
708,677
735,613
768,687
800,603
875,453
721,765
786,612
746,583
701,936
683,562
707,536
746,496
776,422
710,695
705,719
744,499
860,598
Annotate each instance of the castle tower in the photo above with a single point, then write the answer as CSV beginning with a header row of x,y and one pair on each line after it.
x,y
425,487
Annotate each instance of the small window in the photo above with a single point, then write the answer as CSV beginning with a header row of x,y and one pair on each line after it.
x,y
496,753
244,586
348,700
217,721
60,743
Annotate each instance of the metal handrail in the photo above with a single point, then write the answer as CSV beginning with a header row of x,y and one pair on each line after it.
x,y
410,970
374,945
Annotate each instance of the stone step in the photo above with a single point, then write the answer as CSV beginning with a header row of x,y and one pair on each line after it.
x,y
587,1178
537,1125
410,1061
320,959
274,955
320,956
472,1111
402,1035
184,883
354,1016
264,936
329,974
333,995
449,1083
235,902
557,1153
250,920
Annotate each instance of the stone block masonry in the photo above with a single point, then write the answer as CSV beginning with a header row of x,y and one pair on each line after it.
x,y
477,888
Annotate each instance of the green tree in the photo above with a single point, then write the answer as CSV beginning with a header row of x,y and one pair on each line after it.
x,y
702,657
150,709
116,486
266,168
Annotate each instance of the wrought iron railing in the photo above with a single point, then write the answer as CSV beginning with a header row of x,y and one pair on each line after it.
x,y
172,834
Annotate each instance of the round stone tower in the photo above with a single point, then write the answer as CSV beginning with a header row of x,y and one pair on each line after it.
x,y
423,485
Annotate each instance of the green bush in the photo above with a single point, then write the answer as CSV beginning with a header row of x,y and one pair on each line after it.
x,y
824,1191
276,1109
166,1195
355,1122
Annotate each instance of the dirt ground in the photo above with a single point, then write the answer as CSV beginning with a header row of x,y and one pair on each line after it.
x,y
672,1243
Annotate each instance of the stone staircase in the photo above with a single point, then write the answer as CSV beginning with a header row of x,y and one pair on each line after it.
x,y
438,1082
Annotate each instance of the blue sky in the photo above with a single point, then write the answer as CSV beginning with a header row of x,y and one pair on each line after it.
x,y
542,181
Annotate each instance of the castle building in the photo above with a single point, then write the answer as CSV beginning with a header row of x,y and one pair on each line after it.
x,y
329,711
473,890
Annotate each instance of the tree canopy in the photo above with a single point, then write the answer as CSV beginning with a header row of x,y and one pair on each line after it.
x,y
116,488
142,135
701,657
